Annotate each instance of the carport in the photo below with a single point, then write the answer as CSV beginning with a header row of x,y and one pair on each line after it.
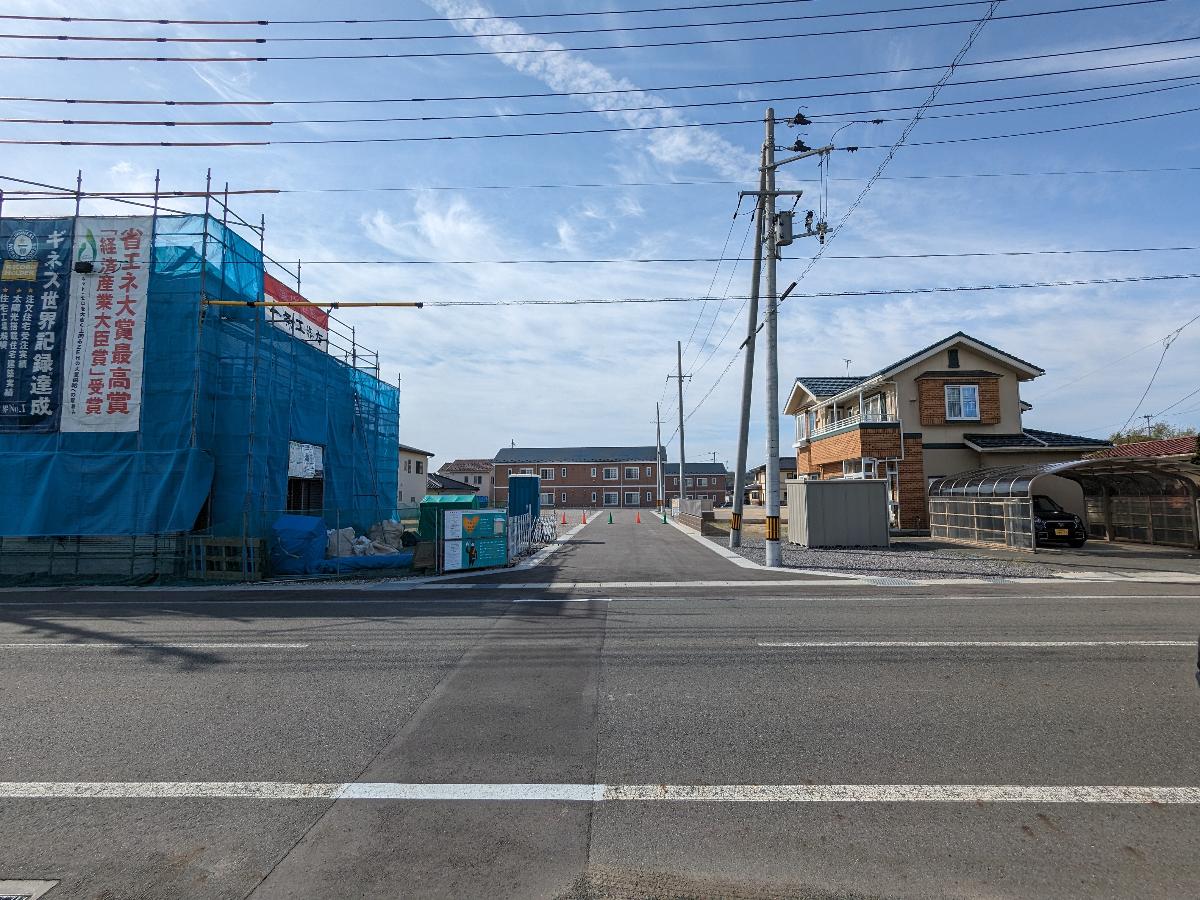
x,y
1149,500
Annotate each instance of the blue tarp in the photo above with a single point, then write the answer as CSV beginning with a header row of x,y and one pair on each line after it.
x,y
297,545
341,565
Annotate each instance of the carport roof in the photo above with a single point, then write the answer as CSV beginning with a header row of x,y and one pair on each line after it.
x,y
1125,475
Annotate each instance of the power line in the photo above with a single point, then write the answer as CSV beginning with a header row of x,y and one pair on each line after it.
x,y
1191,81
723,258
563,133
174,39
664,88
1166,342
1185,397
526,51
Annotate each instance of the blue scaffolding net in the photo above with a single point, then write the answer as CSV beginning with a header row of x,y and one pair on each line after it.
x,y
225,395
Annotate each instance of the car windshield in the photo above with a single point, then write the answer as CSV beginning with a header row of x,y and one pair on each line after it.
x,y
1044,506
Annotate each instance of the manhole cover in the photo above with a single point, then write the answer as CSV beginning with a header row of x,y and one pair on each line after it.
x,y
891,582
24,890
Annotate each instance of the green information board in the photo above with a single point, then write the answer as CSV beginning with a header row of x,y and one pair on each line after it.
x,y
474,539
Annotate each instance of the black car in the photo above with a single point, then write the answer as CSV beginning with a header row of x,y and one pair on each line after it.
x,y
1053,524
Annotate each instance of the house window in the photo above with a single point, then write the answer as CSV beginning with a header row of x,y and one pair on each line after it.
x,y
593,496
962,401
689,482
649,471
510,471
675,480
612,498
649,497
610,474
952,359
631,473
408,466
631,498
564,471
547,474
562,497
874,409
547,498
701,482
420,467
593,471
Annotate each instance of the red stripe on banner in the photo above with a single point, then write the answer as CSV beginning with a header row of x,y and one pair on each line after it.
x,y
281,293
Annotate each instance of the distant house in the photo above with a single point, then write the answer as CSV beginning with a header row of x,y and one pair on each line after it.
x,y
951,407
582,477
476,472
756,480
437,483
703,481
414,466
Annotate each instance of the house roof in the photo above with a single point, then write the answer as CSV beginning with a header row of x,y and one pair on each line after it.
x,y
707,468
404,448
1033,439
575,454
823,387
472,466
1180,446
437,482
820,386
786,463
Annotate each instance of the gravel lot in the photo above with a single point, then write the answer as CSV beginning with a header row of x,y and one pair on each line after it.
x,y
901,560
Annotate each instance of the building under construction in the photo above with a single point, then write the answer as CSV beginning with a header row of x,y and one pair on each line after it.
x,y
157,418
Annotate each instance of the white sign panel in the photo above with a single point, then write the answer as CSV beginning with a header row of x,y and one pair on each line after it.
x,y
106,325
305,460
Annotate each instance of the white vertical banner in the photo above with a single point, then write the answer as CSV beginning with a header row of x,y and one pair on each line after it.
x,y
106,325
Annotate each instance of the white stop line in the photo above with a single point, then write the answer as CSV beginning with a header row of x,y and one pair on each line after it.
x,y
922,644
598,793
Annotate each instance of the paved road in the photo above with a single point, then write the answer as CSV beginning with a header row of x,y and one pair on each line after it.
x,y
651,685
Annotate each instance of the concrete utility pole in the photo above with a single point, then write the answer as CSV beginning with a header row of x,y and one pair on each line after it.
x,y
660,480
774,554
682,454
739,474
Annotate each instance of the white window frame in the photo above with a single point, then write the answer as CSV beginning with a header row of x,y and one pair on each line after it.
x,y
649,496
689,482
547,498
675,480
701,482
593,471
649,471
616,473
956,394
875,408
637,473
562,497
564,472
635,501
542,473
593,496
616,498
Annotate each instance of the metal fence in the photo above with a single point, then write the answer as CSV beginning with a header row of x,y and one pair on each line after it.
x,y
95,560
991,520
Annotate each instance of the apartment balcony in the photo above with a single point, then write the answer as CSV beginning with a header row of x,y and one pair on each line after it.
x,y
843,424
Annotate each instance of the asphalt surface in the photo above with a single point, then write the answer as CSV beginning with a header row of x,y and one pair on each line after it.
x,y
648,684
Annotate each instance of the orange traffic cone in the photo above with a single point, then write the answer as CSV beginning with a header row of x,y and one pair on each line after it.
x,y
639,518
585,517
564,521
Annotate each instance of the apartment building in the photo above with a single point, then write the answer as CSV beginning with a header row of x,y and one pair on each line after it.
x,y
582,477
951,407
703,481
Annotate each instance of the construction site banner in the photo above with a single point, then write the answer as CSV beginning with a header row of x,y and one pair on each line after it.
x,y
106,329
308,323
34,273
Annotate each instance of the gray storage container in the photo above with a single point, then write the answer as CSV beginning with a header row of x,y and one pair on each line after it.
x,y
838,513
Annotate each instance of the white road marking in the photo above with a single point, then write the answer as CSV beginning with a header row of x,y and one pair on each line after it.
x,y
594,793
135,645
921,644
562,600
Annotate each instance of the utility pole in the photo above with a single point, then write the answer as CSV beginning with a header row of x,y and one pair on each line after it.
x,y
682,456
739,474
1148,418
774,552
660,480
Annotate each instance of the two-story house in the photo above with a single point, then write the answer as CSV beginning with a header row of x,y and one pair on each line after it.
x,y
582,477
703,481
475,472
952,407
414,467
756,479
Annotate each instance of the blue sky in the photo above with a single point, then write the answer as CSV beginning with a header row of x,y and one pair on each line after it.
x,y
474,379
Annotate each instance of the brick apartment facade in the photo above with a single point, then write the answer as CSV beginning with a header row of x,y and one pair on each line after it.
x,y
582,477
705,481
949,408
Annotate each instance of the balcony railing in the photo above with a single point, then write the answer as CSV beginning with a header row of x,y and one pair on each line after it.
x,y
844,422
